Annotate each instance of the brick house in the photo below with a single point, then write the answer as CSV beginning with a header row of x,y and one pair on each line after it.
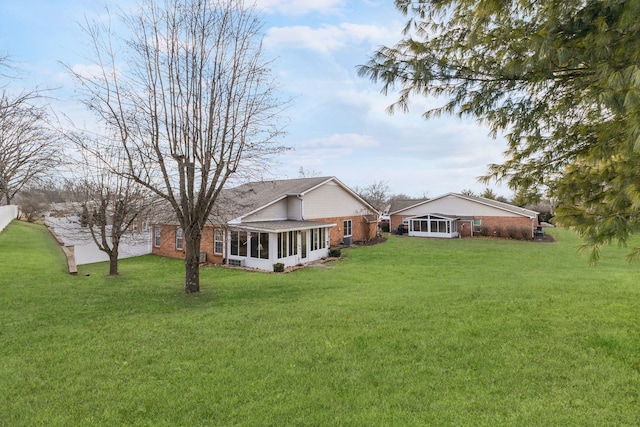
x,y
293,221
458,215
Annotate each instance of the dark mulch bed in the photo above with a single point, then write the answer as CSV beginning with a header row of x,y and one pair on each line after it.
x,y
547,238
374,241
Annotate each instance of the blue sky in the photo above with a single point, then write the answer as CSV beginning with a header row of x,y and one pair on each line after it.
x,y
338,124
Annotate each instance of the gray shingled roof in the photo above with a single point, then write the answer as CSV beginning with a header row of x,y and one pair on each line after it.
x,y
248,197
401,204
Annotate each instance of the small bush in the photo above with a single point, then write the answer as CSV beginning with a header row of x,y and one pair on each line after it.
x,y
526,233
278,267
483,231
497,232
512,232
334,252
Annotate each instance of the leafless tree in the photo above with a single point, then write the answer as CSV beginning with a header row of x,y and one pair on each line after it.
x,y
308,173
36,199
376,194
29,146
193,101
111,201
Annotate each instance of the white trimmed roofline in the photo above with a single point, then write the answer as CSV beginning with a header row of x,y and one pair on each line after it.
x,y
481,200
284,196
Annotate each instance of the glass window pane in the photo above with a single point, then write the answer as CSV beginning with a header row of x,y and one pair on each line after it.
x,y
263,247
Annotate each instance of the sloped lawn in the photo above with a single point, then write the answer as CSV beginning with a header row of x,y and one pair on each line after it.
x,y
409,332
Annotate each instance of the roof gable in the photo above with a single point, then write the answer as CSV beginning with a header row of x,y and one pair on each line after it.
x,y
475,199
401,204
247,199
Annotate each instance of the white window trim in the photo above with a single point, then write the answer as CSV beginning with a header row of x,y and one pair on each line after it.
x,y
220,232
157,236
350,227
179,247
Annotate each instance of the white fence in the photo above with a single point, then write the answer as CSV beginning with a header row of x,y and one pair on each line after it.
x,y
85,250
8,214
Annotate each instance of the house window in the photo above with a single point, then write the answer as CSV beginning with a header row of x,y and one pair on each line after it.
x,y
287,244
318,239
314,239
303,243
293,243
135,227
347,228
323,237
239,243
260,245
156,235
283,243
179,238
217,241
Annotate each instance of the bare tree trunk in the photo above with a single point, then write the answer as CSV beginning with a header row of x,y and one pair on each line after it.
x,y
192,263
113,262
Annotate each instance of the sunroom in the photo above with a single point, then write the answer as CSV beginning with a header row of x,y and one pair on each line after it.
x,y
434,225
262,244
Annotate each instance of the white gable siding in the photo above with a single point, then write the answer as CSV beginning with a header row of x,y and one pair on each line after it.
x,y
330,201
276,211
294,208
453,205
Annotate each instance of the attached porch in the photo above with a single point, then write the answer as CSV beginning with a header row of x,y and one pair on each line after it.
x,y
262,244
434,225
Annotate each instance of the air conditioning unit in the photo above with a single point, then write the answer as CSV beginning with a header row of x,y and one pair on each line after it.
x,y
203,257
348,241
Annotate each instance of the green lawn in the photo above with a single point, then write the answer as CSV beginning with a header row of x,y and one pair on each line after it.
x,y
410,332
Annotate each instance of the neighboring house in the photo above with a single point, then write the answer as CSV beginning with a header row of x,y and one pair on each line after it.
x,y
458,215
68,227
292,222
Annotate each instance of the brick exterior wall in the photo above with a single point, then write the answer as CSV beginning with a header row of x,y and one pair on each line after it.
x,y
396,221
491,222
360,230
168,243
501,223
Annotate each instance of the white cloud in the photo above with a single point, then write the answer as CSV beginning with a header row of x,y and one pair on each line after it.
x,y
300,7
349,141
327,38
91,71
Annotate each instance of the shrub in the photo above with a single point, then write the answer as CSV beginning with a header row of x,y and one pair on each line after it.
x,y
483,231
526,233
334,252
512,232
278,267
497,232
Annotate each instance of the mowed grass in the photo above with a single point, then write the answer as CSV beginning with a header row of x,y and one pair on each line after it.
x,y
409,332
